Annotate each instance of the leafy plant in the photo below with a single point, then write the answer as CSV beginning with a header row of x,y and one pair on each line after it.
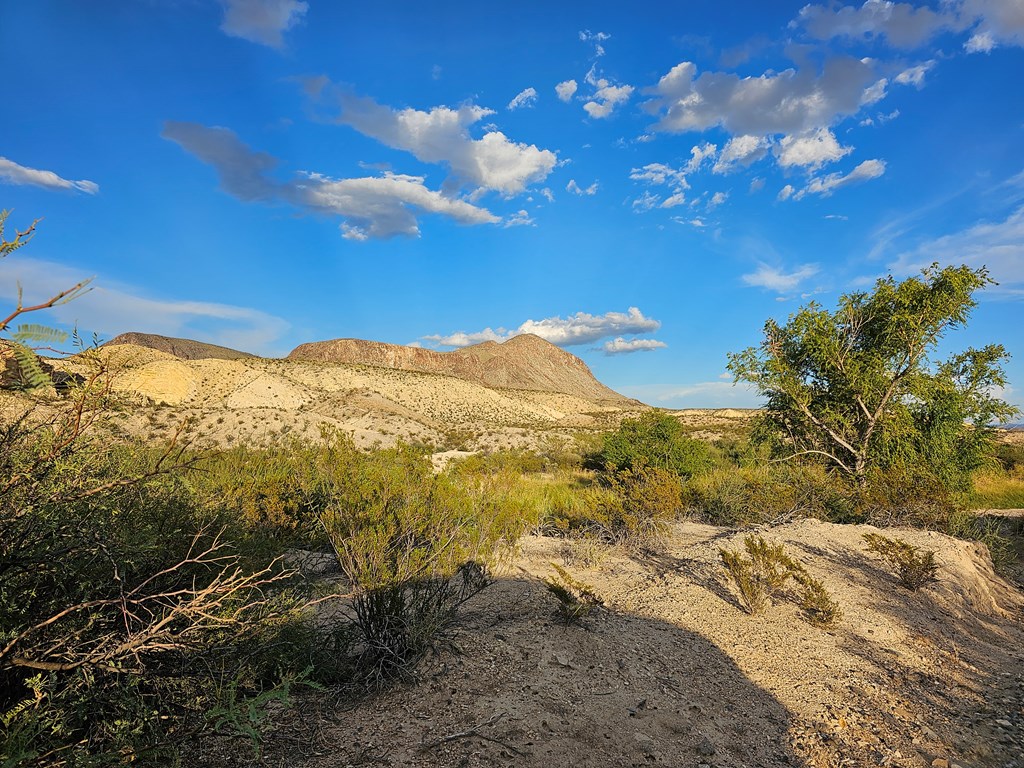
x,y
655,440
819,608
760,575
856,388
913,567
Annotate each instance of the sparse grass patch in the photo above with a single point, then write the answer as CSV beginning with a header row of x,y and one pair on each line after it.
x,y
912,566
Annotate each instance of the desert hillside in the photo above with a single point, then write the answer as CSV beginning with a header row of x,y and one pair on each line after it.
x,y
672,672
523,362
257,401
187,349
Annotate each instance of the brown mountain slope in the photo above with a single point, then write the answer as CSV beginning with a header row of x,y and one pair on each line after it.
x,y
186,349
523,362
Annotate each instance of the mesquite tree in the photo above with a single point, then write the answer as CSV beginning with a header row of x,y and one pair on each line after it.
x,y
858,387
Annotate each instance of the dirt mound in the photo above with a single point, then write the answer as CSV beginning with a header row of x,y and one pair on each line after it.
x,y
523,362
186,349
672,672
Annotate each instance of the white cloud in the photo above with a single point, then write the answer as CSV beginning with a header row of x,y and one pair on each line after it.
x,y
699,154
741,150
786,192
621,346
12,173
525,98
597,38
826,185
996,245
262,21
373,207
110,309
914,75
606,98
874,92
790,102
548,195
580,328
646,201
441,135
659,173
566,90
717,199
756,185
519,219
575,188
811,150
982,42
777,280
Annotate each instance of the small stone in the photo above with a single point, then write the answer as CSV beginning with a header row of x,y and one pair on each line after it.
x,y
705,748
1002,722
940,762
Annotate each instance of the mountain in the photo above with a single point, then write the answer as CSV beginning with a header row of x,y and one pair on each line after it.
x,y
525,362
186,349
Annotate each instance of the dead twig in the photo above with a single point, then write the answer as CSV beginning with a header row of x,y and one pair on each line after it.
x,y
471,733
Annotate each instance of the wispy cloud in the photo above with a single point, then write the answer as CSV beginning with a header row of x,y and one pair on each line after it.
x,y
580,328
703,394
373,207
623,346
998,245
576,189
110,308
777,280
12,173
262,21
525,98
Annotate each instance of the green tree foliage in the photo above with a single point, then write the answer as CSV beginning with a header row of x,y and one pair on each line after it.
x,y
858,387
656,440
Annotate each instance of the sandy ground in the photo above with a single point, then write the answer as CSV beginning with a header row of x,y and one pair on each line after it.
x,y
672,672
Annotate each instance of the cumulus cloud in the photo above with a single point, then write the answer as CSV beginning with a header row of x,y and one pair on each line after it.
x,y
373,207
989,22
110,308
826,185
997,245
810,150
12,173
741,151
786,192
525,98
622,346
566,90
576,189
580,328
717,199
791,102
777,280
441,135
606,98
262,21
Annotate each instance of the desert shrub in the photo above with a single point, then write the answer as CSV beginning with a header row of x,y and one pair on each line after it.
x,y
576,599
765,572
655,440
644,500
912,566
904,496
967,525
766,493
760,575
817,604
584,550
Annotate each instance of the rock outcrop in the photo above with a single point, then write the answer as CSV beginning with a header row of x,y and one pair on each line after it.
x,y
523,362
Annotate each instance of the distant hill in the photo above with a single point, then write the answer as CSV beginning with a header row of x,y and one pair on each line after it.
x,y
186,349
525,362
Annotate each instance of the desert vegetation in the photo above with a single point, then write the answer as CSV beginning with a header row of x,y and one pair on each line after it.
x,y
156,592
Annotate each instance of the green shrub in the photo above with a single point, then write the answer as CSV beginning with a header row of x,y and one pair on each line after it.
x,y
816,602
762,574
912,566
655,440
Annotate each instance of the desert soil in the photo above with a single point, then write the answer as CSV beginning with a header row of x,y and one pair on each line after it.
x,y
672,672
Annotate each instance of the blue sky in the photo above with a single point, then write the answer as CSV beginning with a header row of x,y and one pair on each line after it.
x,y
644,186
